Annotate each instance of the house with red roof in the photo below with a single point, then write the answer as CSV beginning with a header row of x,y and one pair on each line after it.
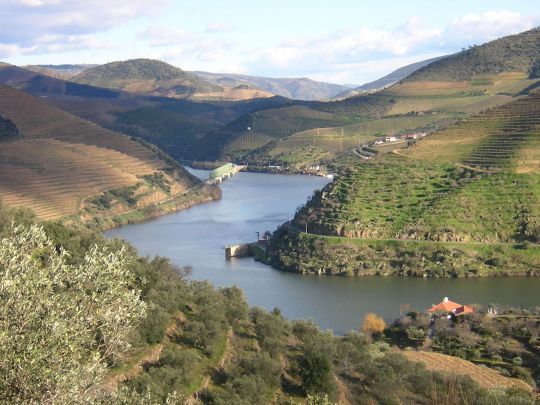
x,y
451,308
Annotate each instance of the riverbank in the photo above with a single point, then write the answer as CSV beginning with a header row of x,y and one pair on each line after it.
x,y
198,165
256,203
199,194
303,253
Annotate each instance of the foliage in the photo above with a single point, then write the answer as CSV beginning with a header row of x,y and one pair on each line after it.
x,y
509,54
501,340
8,130
373,324
61,324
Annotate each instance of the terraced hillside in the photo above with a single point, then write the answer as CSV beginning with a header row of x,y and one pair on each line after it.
x,y
316,145
60,160
462,201
460,85
404,107
507,137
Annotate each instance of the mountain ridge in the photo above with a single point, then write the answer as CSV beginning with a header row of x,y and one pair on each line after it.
x,y
295,88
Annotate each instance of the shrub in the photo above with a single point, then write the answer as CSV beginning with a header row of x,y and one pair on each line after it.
x,y
373,325
61,324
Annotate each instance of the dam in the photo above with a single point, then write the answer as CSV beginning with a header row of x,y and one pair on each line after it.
x,y
223,172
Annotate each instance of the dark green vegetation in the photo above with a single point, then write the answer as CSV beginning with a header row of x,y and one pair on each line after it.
x,y
515,53
318,254
506,340
8,130
207,345
145,76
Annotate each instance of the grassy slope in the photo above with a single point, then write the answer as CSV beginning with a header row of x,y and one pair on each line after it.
x,y
61,160
402,108
463,201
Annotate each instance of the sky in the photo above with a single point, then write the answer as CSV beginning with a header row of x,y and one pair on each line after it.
x,y
339,41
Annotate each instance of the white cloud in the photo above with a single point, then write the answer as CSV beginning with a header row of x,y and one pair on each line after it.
x,y
354,54
363,54
219,27
478,28
50,26
183,44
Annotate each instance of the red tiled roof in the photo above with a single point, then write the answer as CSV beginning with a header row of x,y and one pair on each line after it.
x,y
464,309
445,305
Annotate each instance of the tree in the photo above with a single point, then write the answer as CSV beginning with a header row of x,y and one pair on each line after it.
x,y
61,324
373,325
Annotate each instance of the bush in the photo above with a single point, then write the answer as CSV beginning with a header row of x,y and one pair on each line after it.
x,y
61,324
373,325
517,361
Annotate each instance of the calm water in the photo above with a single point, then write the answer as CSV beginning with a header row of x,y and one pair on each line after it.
x,y
259,202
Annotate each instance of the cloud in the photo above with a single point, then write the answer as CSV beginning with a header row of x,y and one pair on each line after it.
x,y
374,52
478,28
356,47
183,44
219,27
58,25
354,54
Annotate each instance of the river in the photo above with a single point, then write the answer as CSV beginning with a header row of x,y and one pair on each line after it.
x,y
258,202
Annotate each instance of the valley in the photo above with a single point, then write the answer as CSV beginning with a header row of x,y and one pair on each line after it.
x,y
365,206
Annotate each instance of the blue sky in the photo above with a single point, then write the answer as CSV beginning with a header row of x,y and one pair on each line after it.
x,y
340,41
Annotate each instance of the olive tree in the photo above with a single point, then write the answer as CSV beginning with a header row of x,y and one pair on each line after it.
x,y
60,324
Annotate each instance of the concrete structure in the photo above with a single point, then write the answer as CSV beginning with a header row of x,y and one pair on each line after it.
x,y
223,172
241,250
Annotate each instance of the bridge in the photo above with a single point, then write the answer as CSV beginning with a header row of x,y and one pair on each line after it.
x,y
223,172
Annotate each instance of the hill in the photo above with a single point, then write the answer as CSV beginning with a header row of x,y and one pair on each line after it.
x,y
515,53
156,78
485,377
458,202
145,76
61,165
294,88
389,79
173,124
60,71
505,75
461,201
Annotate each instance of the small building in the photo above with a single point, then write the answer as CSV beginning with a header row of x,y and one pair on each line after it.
x,y
391,139
451,308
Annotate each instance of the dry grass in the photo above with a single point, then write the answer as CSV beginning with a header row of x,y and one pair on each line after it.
x,y
229,93
52,177
484,376
63,159
507,137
